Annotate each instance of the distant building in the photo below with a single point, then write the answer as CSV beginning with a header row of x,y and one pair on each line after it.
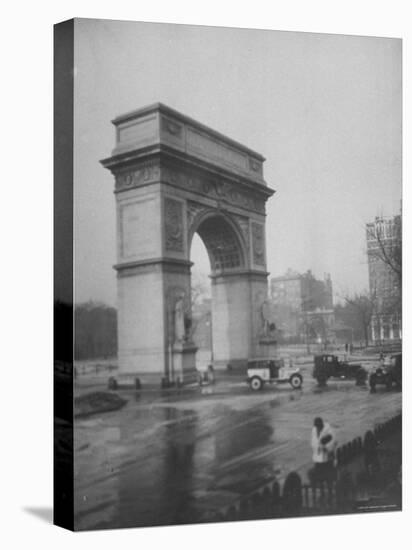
x,y
384,241
304,307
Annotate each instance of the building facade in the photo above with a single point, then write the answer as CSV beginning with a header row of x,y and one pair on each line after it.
x,y
384,249
304,307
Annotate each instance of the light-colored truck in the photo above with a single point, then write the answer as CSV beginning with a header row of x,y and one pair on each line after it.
x,y
261,371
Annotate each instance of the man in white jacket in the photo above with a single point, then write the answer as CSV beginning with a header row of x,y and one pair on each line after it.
x,y
323,446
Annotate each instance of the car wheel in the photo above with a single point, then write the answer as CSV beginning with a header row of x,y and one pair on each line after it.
x,y
321,381
295,381
256,383
372,384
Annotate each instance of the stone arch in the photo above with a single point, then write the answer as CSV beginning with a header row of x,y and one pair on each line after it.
x,y
175,177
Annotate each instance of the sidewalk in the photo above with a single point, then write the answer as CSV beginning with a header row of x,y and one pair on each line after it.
x,y
226,382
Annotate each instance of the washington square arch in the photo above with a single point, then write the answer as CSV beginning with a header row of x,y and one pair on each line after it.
x,y
175,177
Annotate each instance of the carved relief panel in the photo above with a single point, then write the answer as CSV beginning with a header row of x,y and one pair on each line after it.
x,y
146,173
174,225
258,244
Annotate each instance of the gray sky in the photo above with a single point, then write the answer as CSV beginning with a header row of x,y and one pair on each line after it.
x,y
325,111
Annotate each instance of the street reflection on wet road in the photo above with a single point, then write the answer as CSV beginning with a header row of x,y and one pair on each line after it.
x,y
173,459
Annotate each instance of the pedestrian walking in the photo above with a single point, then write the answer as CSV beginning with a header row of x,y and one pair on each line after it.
x,y
323,442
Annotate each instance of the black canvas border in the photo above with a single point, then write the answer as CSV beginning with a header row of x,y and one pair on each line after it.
x,y
63,497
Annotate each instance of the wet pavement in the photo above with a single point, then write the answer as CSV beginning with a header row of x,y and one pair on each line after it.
x,y
175,457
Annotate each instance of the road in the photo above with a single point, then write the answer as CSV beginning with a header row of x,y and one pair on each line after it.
x,y
173,458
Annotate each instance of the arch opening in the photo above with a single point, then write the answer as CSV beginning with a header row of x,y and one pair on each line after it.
x,y
216,250
201,303
222,243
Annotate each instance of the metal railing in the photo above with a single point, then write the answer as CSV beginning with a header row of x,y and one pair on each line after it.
x,y
296,498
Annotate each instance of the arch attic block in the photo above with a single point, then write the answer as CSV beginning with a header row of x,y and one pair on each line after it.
x,y
175,177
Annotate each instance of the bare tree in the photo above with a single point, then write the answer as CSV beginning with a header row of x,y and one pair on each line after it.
x,y
363,306
199,291
388,247
95,330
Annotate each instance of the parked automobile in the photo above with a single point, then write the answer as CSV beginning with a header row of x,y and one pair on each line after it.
x,y
389,374
330,366
262,371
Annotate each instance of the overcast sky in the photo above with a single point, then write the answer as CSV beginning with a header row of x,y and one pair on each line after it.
x,y
325,111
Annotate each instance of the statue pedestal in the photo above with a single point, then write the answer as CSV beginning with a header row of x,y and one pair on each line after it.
x,y
268,346
183,368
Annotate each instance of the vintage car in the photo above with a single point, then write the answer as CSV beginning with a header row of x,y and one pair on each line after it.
x,y
389,374
272,371
330,366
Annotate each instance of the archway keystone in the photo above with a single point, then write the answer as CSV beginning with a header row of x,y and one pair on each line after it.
x,y
175,177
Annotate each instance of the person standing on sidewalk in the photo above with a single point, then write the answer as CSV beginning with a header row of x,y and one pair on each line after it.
x,y
323,443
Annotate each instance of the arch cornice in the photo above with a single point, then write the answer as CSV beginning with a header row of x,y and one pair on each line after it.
x,y
180,171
